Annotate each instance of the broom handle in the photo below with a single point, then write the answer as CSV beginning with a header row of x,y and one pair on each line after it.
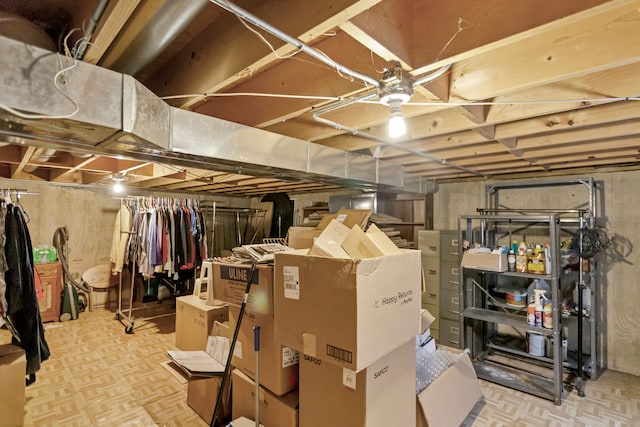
x,y
227,368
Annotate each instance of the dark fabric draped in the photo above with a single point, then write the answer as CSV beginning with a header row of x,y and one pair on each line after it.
x,y
23,308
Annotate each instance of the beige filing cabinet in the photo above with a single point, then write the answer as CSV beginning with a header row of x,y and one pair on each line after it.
x,y
439,249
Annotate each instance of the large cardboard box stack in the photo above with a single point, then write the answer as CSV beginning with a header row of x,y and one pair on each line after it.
x,y
355,320
275,411
278,364
13,366
349,312
194,320
382,394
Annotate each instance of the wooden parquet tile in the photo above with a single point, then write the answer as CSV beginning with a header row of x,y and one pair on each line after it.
x,y
100,376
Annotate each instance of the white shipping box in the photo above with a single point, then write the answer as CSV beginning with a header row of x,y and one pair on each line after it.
x,y
347,312
381,395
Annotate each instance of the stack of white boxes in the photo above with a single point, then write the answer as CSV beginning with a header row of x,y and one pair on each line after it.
x,y
354,319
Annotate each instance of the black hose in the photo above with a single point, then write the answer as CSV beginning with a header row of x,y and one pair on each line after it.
x,y
60,239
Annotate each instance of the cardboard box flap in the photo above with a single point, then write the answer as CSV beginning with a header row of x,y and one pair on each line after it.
x,y
10,353
358,245
329,243
457,384
348,217
382,241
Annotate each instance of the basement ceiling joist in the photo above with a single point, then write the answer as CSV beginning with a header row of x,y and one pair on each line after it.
x,y
535,87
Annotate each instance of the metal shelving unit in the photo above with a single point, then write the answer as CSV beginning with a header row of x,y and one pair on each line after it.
x,y
496,332
485,319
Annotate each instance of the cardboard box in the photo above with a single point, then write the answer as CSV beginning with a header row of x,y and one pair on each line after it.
x,y
449,399
275,411
381,395
278,364
348,217
202,394
194,320
347,312
230,282
301,237
13,366
484,261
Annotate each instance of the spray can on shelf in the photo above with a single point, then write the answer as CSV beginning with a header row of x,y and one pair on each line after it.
x,y
511,260
531,315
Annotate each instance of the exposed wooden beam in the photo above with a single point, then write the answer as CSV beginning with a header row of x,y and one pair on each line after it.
x,y
580,44
114,18
26,157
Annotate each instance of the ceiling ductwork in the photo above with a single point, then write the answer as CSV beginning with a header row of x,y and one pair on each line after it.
x,y
166,25
118,115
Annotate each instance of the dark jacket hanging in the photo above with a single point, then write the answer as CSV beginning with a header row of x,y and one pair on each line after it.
x,y
22,300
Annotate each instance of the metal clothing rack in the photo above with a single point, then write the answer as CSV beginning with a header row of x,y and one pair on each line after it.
x,y
256,216
127,319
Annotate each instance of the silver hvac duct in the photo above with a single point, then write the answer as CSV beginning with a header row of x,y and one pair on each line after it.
x,y
118,115
167,24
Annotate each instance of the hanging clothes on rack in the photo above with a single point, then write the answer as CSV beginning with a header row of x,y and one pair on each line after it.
x,y
23,309
159,236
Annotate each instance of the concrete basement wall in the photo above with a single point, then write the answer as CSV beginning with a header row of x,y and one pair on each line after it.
x,y
621,198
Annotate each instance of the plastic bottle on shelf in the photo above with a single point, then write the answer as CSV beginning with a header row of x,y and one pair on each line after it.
x,y
547,258
521,258
539,284
540,296
547,314
586,296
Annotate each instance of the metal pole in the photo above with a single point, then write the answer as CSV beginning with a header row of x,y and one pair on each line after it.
x,y
256,345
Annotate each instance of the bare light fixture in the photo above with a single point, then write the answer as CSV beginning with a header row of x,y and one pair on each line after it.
x,y
395,89
117,179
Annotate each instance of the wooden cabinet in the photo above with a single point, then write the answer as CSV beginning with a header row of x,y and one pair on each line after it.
x,y
50,276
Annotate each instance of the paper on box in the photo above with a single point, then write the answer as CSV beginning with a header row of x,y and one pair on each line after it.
x,y
381,395
344,311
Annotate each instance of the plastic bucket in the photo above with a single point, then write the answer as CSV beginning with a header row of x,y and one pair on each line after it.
x,y
535,344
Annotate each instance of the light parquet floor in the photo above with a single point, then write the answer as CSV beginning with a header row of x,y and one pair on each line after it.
x,y
100,376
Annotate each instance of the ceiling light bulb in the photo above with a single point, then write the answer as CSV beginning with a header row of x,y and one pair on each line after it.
x,y
397,126
117,187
